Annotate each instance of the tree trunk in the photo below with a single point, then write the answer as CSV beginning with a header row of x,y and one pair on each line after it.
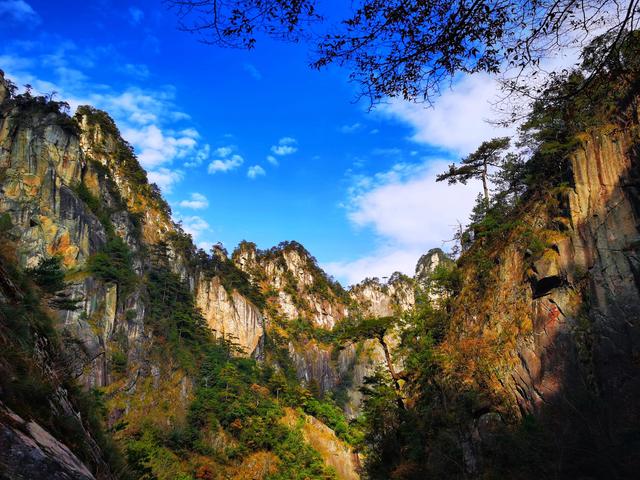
x,y
484,184
392,371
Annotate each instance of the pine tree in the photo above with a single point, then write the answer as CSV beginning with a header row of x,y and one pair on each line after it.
x,y
476,165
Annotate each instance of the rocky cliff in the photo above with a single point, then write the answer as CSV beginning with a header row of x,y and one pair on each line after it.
x,y
71,188
553,322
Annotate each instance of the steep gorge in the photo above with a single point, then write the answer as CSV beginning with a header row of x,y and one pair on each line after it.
x,y
542,326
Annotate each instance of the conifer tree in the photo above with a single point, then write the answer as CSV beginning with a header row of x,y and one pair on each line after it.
x,y
476,165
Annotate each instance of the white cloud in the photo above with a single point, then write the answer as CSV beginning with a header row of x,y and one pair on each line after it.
x,y
195,226
285,146
223,151
205,245
225,164
252,70
197,202
255,171
136,70
165,178
201,155
156,147
351,128
135,15
381,264
272,160
146,117
19,10
458,121
225,160
408,212
408,207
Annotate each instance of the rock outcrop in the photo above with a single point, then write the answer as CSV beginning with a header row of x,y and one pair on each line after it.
x,y
294,284
334,451
593,262
28,451
229,314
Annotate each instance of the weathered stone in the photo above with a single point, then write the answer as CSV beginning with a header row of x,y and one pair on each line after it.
x,y
230,314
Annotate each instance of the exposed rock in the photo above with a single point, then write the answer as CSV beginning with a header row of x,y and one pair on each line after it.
x,y
428,263
333,451
301,289
377,299
230,314
313,365
601,246
29,452
4,92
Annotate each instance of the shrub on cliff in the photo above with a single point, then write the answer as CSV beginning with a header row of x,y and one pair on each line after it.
x,y
114,264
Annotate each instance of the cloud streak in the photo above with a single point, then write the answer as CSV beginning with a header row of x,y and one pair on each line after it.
x,y
255,171
19,11
147,117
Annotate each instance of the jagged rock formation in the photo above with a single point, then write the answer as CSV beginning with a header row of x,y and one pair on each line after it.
x,y
72,188
293,283
376,299
428,263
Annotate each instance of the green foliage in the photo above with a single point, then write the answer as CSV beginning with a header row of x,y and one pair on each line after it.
x,y
173,315
119,361
425,440
48,275
96,207
477,164
233,278
298,460
31,111
331,415
303,328
371,327
444,281
5,224
114,264
124,157
230,394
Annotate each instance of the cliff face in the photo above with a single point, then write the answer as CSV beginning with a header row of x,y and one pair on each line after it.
x,y
585,310
555,326
230,314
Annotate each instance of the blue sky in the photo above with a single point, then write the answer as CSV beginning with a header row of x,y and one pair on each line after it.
x,y
256,145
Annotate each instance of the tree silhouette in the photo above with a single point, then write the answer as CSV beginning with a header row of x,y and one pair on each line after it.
x,y
409,49
476,165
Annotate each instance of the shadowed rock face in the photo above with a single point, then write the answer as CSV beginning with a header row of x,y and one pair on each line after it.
x,y
571,313
586,293
29,452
